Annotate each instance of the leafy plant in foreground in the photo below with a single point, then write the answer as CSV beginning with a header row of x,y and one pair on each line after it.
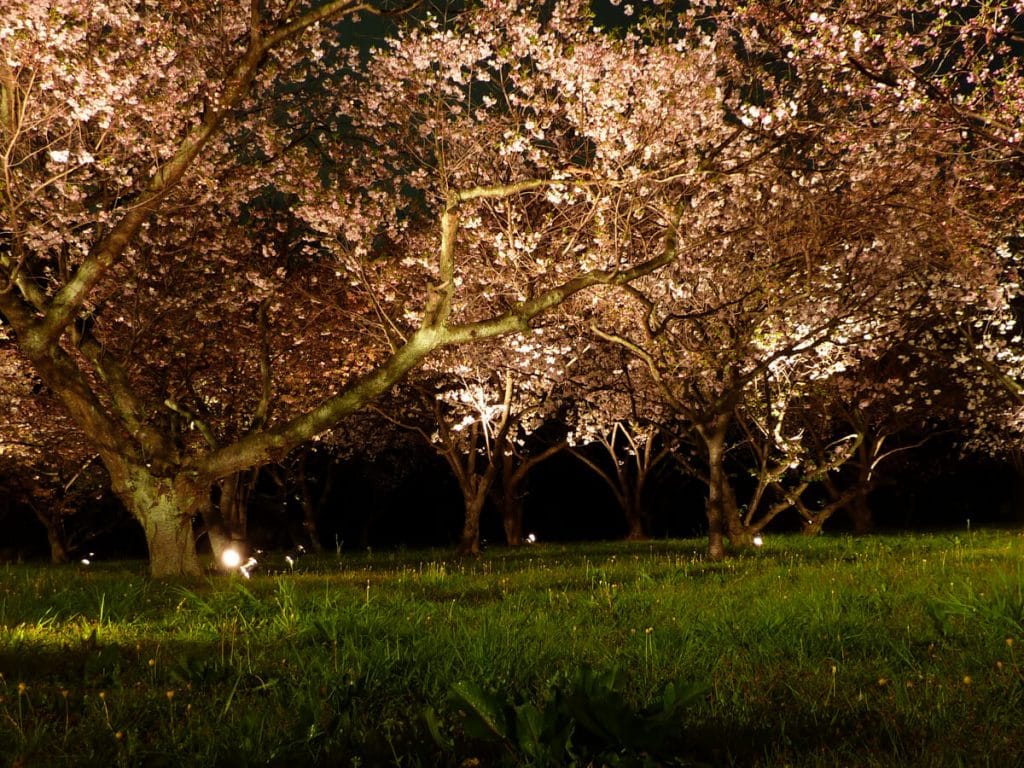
x,y
586,721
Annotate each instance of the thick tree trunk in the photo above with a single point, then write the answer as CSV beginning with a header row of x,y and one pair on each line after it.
x,y
165,508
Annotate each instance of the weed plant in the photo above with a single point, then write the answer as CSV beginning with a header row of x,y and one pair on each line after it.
x,y
879,651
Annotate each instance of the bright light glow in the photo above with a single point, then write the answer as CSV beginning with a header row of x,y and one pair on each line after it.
x,y
85,561
231,558
531,539
758,541
248,567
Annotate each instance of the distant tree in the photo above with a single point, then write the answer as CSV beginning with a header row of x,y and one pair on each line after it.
x,y
477,412
617,428
828,264
633,452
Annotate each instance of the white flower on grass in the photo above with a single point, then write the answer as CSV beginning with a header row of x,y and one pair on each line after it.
x,y
59,155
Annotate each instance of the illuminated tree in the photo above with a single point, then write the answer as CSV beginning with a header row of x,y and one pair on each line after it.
x,y
477,411
830,261
450,187
225,229
46,464
617,427
957,68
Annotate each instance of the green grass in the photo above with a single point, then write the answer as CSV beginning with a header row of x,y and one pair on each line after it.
x,y
834,651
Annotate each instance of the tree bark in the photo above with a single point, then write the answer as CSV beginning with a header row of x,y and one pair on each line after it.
x,y
727,511
58,546
52,519
861,514
313,506
636,528
713,435
469,542
234,501
859,509
227,523
512,519
511,499
165,508
741,536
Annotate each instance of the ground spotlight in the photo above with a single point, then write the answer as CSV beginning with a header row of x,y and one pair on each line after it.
x,y
231,558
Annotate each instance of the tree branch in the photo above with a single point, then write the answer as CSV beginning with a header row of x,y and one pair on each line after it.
x,y
70,298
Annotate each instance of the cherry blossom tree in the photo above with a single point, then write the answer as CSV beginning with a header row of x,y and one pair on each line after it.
x,y
46,464
633,452
226,229
617,426
891,404
833,259
887,159
449,187
477,412
956,66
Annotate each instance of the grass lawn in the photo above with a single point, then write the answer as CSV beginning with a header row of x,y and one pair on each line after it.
x,y
883,651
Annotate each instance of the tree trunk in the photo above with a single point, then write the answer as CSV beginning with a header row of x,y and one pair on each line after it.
x,y
716,540
513,477
636,518
235,491
312,506
475,489
53,521
861,514
713,435
469,542
165,508
741,536
636,530
58,546
859,510
813,526
510,501
512,519
227,523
